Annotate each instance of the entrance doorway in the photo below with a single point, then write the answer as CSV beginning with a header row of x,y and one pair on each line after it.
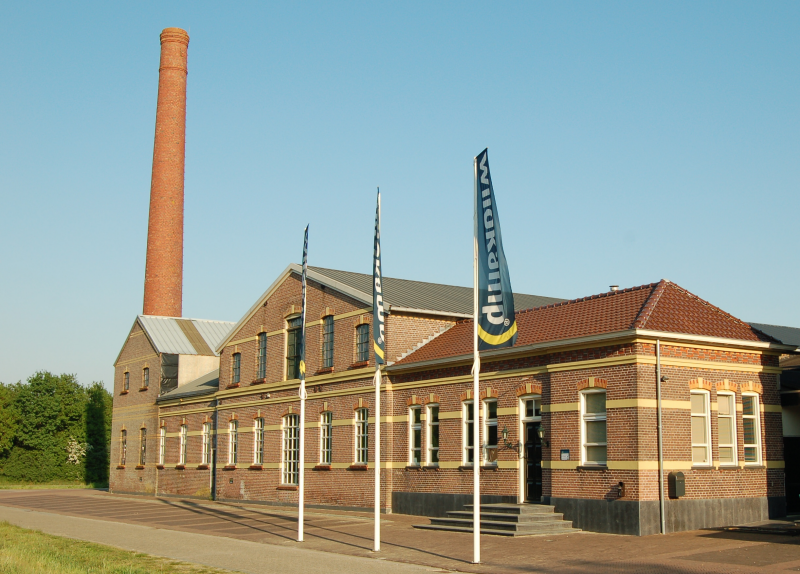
x,y
533,463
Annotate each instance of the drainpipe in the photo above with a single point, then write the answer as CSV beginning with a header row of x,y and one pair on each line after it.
x,y
213,465
660,441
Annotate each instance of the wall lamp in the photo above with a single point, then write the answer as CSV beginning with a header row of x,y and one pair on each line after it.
x,y
540,432
508,445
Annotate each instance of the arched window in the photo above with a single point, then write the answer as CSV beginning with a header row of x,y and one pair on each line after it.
x,y
701,429
237,368
142,446
293,342
206,443
291,450
262,356
326,438
233,442
751,421
415,435
432,434
726,428
362,343
258,441
145,377
490,431
123,447
327,342
362,435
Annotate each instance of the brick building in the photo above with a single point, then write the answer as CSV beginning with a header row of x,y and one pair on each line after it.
x,y
578,390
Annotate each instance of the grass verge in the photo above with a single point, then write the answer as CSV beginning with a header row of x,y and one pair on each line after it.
x,y
31,552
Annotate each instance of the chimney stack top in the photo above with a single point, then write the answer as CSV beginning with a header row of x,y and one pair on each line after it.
x,y
614,288
174,35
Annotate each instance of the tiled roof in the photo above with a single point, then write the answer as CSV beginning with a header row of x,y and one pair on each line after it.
x,y
786,335
661,306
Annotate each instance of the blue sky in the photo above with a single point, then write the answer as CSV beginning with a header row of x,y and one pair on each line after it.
x,y
629,142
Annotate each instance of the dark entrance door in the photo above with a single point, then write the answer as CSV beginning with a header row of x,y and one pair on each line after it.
x,y
533,463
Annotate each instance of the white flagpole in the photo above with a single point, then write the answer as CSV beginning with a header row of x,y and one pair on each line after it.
x,y
376,546
477,453
301,462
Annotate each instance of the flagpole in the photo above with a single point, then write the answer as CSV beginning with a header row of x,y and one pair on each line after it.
x,y
476,370
301,455
376,547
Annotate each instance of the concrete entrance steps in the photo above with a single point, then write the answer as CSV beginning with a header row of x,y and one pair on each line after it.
x,y
505,520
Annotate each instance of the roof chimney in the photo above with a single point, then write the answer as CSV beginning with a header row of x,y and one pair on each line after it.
x,y
614,288
163,275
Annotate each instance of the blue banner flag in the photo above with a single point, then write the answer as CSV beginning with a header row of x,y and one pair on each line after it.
x,y
495,319
303,310
378,317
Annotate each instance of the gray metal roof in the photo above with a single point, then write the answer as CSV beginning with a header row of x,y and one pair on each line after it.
x,y
205,385
168,334
786,335
408,294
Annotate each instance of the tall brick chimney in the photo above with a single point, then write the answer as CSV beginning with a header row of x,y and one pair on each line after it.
x,y
163,275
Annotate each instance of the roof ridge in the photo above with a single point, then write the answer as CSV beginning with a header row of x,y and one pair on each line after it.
x,y
649,305
720,311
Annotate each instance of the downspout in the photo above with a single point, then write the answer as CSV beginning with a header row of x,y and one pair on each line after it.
x,y
660,441
213,477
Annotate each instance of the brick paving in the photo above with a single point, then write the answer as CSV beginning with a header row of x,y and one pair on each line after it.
x,y
350,533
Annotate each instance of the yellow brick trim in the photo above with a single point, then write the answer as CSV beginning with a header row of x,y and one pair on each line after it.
x,y
134,360
561,464
449,415
775,464
505,411
342,316
560,407
632,465
506,464
771,408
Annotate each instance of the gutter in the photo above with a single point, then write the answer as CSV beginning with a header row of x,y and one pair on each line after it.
x,y
660,433
602,338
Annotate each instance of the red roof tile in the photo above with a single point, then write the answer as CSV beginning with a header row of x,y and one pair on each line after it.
x,y
661,306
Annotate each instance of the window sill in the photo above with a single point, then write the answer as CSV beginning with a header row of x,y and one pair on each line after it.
x,y
255,467
180,467
325,371
413,467
202,467
489,467
702,467
142,389
233,386
120,467
139,467
359,364
160,466
229,467
124,392
753,466
466,467
259,381
286,487
322,467
357,467
592,467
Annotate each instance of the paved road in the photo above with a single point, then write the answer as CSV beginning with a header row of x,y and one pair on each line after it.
x,y
261,539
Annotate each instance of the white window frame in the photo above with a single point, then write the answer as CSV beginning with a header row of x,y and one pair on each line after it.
x,y
290,450
261,357
431,427
142,446
326,438
361,429
592,417
414,427
707,416
756,417
466,424
183,437
206,443
236,372
162,446
487,423
734,429
233,442
123,447
258,441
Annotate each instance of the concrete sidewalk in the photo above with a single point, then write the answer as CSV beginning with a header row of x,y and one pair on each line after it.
x,y
333,538
239,555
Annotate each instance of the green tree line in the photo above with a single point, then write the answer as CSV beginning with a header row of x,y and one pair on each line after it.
x,y
54,429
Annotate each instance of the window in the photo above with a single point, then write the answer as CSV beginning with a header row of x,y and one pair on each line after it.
x,y
532,408
206,443
258,441
262,356
184,436
415,438
293,341
593,428
326,437
162,445
726,424
327,342
142,446
362,343
233,442
291,449
752,429
145,377
433,434
123,447
490,431
701,430
126,381
469,433
362,435
237,368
